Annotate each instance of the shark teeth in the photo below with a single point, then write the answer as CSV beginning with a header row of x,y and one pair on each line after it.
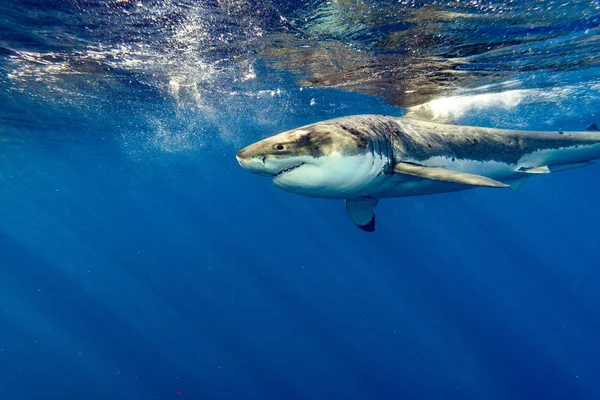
x,y
288,169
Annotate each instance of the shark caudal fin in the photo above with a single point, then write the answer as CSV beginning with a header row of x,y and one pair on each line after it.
x,y
361,213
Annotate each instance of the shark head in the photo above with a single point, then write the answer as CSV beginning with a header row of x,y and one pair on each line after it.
x,y
321,160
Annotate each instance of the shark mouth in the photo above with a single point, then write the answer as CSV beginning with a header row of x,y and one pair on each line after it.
x,y
288,169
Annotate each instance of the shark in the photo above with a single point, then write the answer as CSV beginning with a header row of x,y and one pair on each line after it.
x,y
364,158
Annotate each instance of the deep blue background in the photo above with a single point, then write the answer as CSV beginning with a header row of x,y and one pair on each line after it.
x,y
138,276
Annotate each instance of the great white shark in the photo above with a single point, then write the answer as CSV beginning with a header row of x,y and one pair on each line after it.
x,y
364,158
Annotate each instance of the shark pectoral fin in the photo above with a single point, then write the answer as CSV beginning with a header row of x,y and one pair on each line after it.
x,y
446,175
361,213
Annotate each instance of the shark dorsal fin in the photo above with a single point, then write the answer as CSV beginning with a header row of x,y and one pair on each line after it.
x,y
360,211
446,175
592,128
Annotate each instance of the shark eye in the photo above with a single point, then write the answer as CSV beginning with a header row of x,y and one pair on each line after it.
x,y
279,146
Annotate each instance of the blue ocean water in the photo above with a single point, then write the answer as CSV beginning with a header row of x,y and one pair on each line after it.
x,y
139,261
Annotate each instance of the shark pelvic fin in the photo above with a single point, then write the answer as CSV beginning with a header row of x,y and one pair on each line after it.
x,y
361,213
446,175
536,170
546,169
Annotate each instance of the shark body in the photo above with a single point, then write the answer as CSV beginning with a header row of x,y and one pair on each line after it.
x,y
363,158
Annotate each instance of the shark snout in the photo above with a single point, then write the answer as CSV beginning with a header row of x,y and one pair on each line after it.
x,y
252,162
243,155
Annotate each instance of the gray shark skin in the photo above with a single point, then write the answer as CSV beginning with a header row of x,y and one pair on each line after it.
x,y
363,158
